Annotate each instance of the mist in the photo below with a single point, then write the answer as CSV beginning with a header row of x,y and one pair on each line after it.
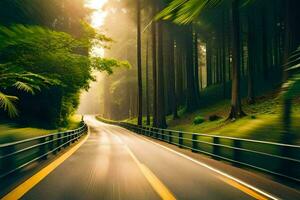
x,y
113,95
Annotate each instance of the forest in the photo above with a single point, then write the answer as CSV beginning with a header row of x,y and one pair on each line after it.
x,y
168,64
149,99
45,61
189,57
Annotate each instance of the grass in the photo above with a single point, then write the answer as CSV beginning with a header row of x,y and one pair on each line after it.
x,y
13,132
263,120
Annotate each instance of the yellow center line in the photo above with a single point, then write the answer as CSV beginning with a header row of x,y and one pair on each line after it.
x,y
156,184
243,188
23,188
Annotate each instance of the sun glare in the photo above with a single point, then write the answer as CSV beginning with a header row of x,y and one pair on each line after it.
x,y
98,16
95,4
97,20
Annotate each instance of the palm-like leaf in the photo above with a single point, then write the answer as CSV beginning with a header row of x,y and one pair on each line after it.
x,y
24,87
12,76
7,104
185,11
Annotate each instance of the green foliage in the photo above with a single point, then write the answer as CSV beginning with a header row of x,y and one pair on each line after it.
x,y
21,80
198,120
37,58
213,117
291,88
184,11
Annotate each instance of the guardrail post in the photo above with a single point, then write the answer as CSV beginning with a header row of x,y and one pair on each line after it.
x,y
162,134
43,148
51,144
170,137
236,152
78,133
194,143
73,136
150,131
65,135
216,148
180,139
69,138
58,142
155,133
143,131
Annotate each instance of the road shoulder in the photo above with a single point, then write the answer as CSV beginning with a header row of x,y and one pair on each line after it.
x,y
259,180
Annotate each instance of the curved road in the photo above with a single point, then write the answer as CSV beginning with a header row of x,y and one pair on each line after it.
x,y
115,164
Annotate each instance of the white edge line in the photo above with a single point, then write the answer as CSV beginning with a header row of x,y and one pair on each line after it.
x,y
209,167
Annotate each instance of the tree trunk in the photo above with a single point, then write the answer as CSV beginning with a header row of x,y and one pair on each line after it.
x,y
172,79
236,105
196,68
208,63
161,118
179,74
223,55
147,85
139,65
265,44
191,102
251,62
154,71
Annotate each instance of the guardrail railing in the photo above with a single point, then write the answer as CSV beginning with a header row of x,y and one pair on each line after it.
x,y
17,155
274,158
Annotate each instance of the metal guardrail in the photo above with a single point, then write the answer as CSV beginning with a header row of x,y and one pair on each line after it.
x,y
17,155
274,158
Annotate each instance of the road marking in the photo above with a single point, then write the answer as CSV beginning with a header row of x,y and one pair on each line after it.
x,y
24,187
156,184
225,175
243,188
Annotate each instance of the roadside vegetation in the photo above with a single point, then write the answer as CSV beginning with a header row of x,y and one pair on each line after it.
x,y
11,132
263,122
45,64
209,67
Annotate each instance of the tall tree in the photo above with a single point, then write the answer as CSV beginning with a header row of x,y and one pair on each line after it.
x,y
139,64
161,115
147,85
236,104
251,59
154,68
172,78
192,99
196,67
184,12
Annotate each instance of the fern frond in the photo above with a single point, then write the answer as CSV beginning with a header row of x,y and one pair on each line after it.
x,y
24,87
7,104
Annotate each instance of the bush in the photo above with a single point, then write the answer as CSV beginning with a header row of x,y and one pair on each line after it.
x,y
253,117
198,120
214,117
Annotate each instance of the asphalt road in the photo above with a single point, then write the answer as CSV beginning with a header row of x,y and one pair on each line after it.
x,y
116,164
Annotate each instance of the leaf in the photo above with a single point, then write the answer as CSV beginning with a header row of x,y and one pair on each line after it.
x,y
186,11
24,87
7,103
